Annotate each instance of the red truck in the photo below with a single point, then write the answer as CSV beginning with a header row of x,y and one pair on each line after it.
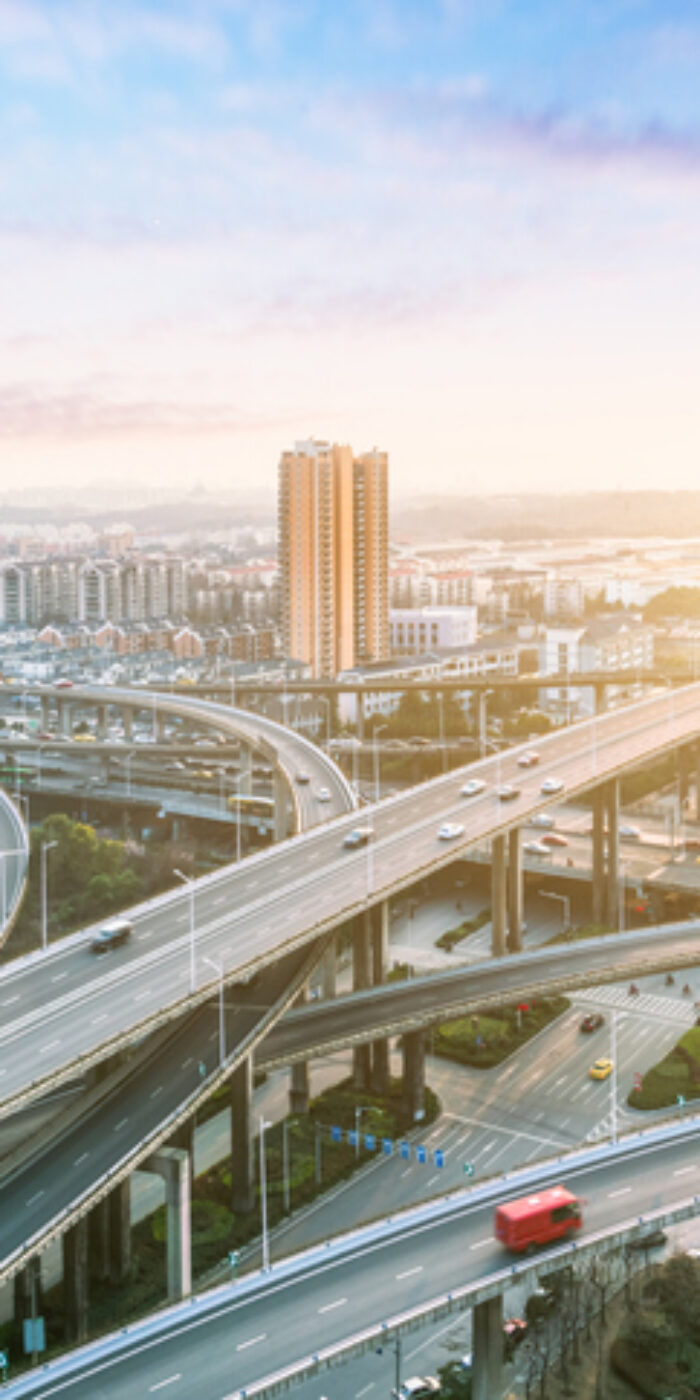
x,y
538,1219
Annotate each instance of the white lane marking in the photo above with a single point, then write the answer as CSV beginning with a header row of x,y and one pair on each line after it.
x,y
623,1191
365,1391
252,1342
59,976
433,1179
406,1171
141,996
82,1158
408,1273
187,1062
33,1199
328,1307
122,1124
9,1000
169,1381
487,1148
683,1171
157,1091
97,1019
482,1243
559,1082
53,1045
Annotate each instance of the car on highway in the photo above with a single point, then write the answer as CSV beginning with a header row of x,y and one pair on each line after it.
x,y
359,836
474,786
529,759
602,1069
417,1388
554,838
536,848
449,831
551,785
302,779
63,684
543,820
111,935
323,795
631,833
592,1022
508,793
84,738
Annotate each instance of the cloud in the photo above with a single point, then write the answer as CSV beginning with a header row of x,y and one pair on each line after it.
x,y
33,412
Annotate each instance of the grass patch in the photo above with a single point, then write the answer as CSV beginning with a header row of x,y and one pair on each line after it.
x,y
453,936
487,1039
678,1074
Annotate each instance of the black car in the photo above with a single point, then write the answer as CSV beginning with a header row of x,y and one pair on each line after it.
x,y
592,1022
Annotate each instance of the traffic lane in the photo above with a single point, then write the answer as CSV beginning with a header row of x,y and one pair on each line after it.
x,y
216,1354
158,1083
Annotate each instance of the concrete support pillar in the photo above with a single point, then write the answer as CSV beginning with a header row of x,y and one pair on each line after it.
x,y
380,962
27,1291
600,693
498,896
75,1282
329,971
99,1241
599,896
515,892
158,726
299,1088
414,1074
242,1164
245,783
102,722
482,722
487,1349
183,1137
45,713
696,778
281,799
128,722
360,712
686,759
173,1165
613,812
120,1231
65,718
361,964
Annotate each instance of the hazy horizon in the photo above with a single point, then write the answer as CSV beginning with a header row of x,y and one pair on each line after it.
x,y
461,233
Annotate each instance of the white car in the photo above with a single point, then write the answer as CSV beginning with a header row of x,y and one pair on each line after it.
x,y
536,848
474,786
417,1388
323,795
529,759
542,820
450,830
631,833
551,785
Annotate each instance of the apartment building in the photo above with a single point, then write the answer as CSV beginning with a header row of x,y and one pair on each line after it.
x,y
333,552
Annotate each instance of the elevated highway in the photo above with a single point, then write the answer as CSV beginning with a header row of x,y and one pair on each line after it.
x,y
14,862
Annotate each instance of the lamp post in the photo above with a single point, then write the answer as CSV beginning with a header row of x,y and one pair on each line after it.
x,y
263,1198
324,699
621,898
235,782
218,968
375,750
613,1075
127,760
187,880
46,846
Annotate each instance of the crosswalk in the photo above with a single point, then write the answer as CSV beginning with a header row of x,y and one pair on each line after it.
x,y
675,1008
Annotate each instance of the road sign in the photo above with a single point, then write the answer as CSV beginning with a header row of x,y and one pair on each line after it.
x,y
353,1137
233,1259
370,1142
680,1100
405,1151
438,1157
637,1083
421,1154
33,1335
337,1134
468,1168
202,1070
387,1147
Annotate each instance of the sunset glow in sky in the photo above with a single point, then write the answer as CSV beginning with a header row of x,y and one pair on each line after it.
x,y
465,231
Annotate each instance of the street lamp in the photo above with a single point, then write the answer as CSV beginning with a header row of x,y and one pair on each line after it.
x,y
46,846
379,729
263,1197
187,880
613,1076
218,968
127,761
483,697
621,898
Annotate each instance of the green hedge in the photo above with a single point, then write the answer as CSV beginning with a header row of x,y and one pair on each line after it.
x,y
677,1074
499,1030
448,940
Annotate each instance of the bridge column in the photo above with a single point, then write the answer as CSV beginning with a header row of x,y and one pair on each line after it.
x,y
245,783
696,773
414,1074
102,722
329,971
158,725
75,1281
515,892
173,1165
600,693
380,955
98,1241
120,1231
242,1166
487,1349
599,900
183,1138
685,765
613,810
128,722
280,795
65,718
482,723
361,943
28,1291
498,896
45,713
299,1075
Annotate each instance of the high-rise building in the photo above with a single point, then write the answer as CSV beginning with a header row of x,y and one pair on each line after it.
x,y
333,546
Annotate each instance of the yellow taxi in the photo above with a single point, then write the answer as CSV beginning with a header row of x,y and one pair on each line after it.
x,y
601,1069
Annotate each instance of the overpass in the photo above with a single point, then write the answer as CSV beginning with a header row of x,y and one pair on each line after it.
x,y
14,862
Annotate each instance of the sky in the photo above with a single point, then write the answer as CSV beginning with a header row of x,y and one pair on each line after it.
x,y
464,231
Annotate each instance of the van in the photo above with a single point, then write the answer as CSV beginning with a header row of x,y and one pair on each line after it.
x,y
111,935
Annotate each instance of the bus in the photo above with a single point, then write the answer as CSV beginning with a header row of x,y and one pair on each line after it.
x,y
249,805
546,1216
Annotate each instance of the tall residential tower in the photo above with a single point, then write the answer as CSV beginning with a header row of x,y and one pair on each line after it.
x,y
334,539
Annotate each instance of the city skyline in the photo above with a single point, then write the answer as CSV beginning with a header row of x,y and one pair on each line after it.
x,y
461,232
